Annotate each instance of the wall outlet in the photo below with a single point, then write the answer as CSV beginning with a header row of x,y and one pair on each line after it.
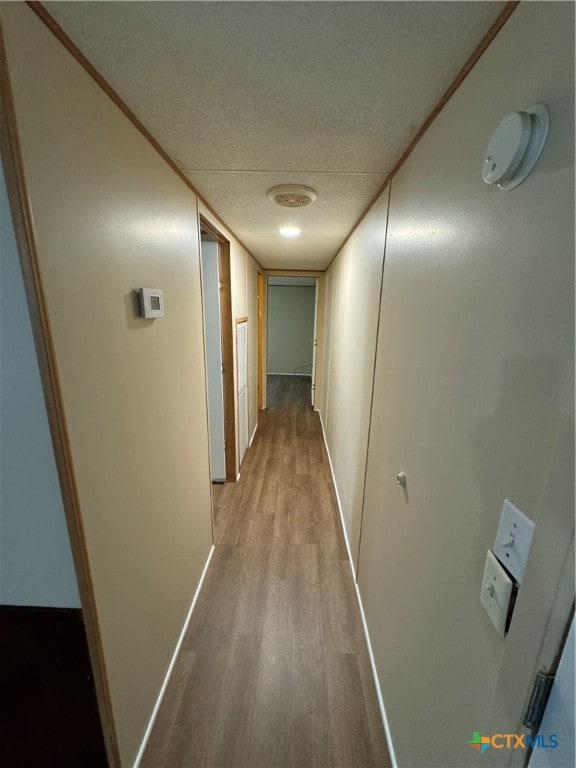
x,y
513,539
496,593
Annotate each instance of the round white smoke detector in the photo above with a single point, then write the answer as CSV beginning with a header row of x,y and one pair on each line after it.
x,y
292,195
515,147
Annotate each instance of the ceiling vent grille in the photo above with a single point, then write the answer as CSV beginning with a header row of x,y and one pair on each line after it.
x,y
292,195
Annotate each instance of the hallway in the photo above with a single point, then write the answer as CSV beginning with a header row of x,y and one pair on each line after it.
x,y
444,358
274,669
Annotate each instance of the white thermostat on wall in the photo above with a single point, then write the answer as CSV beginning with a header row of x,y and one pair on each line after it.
x,y
151,302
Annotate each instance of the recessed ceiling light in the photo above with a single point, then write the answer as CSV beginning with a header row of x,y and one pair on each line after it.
x,y
289,231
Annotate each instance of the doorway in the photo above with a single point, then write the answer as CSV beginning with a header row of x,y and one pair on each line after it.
x,y
217,316
292,321
261,373
213,346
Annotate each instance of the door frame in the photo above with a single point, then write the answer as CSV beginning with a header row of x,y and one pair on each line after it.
x,y
261,289
227,343
315,343
19,203
318,326
211,318
245,390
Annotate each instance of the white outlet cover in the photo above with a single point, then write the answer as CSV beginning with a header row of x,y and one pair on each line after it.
x,y
514,523
496,593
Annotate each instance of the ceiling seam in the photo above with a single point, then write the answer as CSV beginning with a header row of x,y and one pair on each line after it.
x,y
452,88
276,170
45,16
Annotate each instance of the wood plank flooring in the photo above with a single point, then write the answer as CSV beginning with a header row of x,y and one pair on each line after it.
x,y
274,671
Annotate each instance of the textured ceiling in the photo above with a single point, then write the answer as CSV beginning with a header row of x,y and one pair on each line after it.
x,y
247,95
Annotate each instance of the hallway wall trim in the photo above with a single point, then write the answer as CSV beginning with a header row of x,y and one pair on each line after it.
x,y
25,233
383,714
170,669
253,435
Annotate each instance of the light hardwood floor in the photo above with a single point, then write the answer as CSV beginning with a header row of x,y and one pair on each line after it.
x,y
274,670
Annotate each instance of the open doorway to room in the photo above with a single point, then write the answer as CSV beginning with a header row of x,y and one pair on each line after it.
x,y
217,314
291,338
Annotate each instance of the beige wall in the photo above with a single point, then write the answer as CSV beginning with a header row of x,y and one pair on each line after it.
x,y
350,326
474,361
110,217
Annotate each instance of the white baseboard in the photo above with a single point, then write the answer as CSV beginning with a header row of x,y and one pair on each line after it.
x,y
253,435
334,483
171,665
362,614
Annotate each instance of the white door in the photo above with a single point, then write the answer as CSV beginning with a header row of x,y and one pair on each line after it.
x,y
213,344
314,344
242,369
243,422
559,714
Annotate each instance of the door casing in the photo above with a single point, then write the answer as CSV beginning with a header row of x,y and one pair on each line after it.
x,y
226,325
318,328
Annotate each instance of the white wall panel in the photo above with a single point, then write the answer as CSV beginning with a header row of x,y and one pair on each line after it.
x,y
474,361
351,321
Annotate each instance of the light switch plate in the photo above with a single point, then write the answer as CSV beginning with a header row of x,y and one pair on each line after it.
x,y
496,593
513,539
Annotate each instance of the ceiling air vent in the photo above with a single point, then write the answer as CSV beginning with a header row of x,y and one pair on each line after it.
x,y
292,195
